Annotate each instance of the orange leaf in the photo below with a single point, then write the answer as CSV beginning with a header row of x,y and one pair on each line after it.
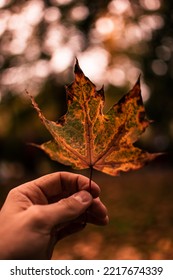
x,y
86,138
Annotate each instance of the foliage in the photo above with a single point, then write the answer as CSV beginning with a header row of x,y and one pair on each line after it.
x,y
85,137
115,40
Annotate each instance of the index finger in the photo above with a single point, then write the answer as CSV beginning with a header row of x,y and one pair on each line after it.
x,y
63,184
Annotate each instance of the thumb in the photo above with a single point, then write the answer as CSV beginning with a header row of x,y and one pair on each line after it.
x,y
66,209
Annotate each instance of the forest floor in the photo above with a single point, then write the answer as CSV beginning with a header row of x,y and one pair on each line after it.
x,y
140,207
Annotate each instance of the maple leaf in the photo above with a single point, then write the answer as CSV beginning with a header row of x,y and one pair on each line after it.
x,y
86,138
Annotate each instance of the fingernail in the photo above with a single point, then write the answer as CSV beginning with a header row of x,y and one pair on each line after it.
x,y
82,196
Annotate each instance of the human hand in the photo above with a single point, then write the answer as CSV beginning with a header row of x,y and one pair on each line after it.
x,y
39,213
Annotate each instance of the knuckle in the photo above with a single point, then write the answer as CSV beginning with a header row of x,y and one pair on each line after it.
x,y
13,193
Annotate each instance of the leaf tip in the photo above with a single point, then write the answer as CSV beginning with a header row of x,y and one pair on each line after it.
x,y
35,105
77,69
138,82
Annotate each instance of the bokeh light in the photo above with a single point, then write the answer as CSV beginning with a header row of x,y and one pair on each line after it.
x,y
115,30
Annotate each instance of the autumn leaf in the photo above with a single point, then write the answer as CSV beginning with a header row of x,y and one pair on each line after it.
x,y
86,138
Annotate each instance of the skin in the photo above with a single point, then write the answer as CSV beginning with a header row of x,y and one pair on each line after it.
x,y
37,214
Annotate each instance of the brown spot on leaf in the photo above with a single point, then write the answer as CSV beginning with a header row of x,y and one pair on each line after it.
x,y
86,138
61,120
141,116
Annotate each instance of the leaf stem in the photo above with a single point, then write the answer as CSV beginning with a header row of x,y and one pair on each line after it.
x,y
90,177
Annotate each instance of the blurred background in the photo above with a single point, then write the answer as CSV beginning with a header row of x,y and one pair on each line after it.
x,y
114,41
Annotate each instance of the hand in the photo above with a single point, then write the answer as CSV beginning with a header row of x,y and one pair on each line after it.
x,y
37,214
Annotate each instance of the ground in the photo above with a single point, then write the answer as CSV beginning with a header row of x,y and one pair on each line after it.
x,y
140,207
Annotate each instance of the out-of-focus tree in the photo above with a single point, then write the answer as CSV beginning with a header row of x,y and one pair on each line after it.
x,y
114,40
